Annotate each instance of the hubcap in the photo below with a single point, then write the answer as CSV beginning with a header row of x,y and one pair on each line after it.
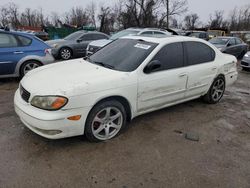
x,y
29,67
218,89
65,54
107,123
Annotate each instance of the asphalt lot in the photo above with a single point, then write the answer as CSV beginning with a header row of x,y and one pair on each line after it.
x,y
153,152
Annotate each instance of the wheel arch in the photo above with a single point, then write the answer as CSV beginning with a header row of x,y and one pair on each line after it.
x,y
120,99
23,62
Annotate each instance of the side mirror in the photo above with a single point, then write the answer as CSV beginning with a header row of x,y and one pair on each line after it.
x,y
153,66
79,40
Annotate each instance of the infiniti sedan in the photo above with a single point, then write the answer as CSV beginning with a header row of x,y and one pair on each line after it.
x,y
74,45
131,76
230,45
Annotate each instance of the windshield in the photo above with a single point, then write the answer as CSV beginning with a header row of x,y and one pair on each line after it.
x,y
74,36
197,35
123,34
222,41
123,54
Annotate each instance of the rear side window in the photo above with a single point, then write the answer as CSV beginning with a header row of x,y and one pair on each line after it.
x,y
198,53
7,41
24,41
238,41
99,36
171,56
232,42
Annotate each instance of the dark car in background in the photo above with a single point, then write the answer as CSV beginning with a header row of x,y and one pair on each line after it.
x,y
198,34
42,35
75,44
230,45
21,53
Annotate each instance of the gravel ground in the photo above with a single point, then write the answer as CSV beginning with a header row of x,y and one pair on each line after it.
x,y
153,152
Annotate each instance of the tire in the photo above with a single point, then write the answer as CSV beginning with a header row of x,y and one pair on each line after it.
x,y
105,121
28,66
65,53
216,91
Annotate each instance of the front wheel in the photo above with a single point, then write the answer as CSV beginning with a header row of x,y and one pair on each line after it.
x,y
216,91
105,121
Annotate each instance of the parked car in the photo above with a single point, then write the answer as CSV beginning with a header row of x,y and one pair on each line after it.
x,y
21,52
127,78
42,35
230,45
216,33
75,44
198,34
245,62
96,45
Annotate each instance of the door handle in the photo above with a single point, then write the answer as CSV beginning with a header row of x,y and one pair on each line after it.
x,y
182,75
18,52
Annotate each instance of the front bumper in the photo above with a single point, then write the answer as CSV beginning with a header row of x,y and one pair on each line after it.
x,y
48,124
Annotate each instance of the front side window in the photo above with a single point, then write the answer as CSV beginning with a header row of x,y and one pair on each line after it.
x,y
198,53
74,36
171,56
123,54
7,41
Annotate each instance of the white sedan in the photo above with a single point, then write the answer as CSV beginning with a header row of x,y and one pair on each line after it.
x,y
98,96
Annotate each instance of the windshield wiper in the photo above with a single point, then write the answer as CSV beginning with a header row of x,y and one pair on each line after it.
x,y
104,65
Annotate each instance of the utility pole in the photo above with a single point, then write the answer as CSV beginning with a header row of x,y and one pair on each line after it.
x,y
167,3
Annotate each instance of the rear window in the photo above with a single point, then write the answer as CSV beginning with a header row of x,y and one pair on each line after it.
x,y
24,40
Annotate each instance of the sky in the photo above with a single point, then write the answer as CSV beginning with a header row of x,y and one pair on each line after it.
x,y
202,7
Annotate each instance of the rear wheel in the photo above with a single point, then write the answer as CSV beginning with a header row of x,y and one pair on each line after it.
x,y
28,66
216,91
105,121
65,53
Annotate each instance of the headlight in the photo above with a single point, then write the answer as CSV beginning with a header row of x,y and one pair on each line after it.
x,y
49,102
246,55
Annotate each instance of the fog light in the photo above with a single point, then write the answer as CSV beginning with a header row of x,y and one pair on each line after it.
x,y
75,118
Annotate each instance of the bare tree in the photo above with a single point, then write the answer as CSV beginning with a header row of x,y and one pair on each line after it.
x,y
91,13
191,20
217,20
173,7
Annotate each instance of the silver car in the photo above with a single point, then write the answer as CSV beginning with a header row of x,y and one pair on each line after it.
x,y
98,44
245,62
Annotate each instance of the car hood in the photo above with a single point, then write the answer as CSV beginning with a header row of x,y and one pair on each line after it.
x,y
71,78
57,41
100,43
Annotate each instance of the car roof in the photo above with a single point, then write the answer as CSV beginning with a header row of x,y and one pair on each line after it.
x,y
17,33
146,29
165,39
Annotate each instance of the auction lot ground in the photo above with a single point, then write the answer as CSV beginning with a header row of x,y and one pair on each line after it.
x,y
153,152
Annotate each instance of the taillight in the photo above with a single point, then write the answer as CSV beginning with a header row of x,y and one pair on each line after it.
x,y
47,51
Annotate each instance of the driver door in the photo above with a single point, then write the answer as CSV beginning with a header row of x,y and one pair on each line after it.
x,y
165,85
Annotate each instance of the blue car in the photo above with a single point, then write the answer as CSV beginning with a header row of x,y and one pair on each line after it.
x,y
21,53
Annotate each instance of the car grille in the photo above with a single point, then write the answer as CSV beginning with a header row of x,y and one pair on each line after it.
x,y
244,63
24,94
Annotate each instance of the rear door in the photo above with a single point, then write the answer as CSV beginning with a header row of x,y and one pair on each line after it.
x,y
9,54
166,85
232,48
201,68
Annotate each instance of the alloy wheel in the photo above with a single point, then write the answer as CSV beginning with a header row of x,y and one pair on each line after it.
x,y
218,89
65,54
30,66
107,123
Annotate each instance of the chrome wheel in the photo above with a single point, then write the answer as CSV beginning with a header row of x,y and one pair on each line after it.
x,y
65,53
107,123
218,89
29,66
